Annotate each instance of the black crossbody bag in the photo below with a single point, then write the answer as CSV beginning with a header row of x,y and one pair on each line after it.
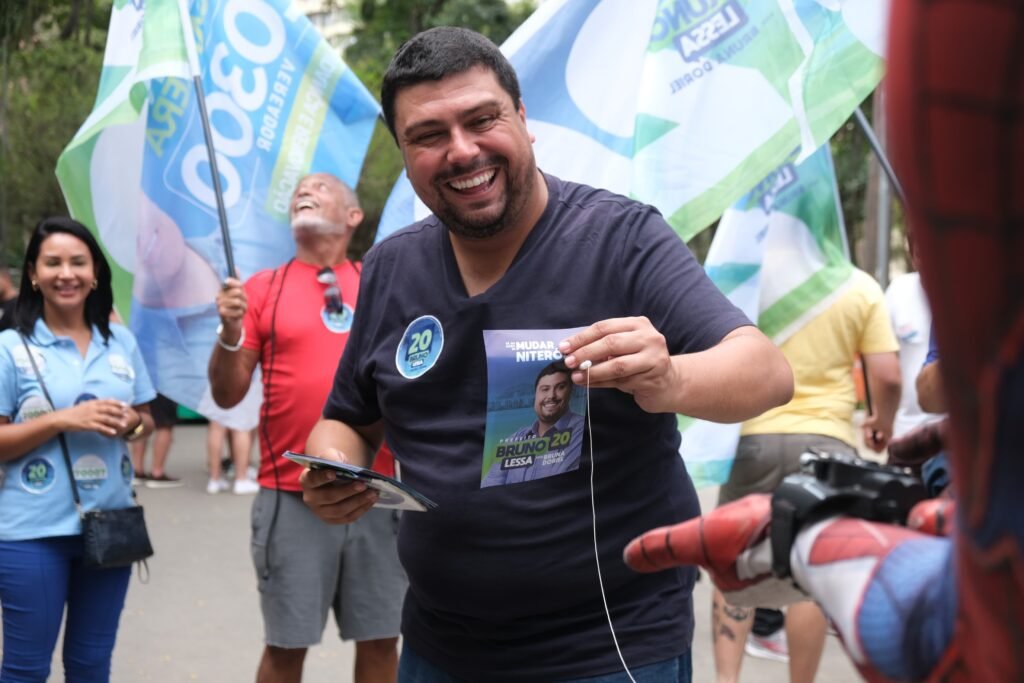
x,y
110,538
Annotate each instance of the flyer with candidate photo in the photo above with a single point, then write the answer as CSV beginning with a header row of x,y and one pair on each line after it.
x,y
535,414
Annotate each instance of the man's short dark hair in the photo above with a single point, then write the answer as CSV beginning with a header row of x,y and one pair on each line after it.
x,y
557,366
438,53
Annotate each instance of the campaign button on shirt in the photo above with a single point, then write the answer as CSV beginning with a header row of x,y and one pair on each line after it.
x,y
420,347
121,368
90,472
338,322
38,475
32,407
126,469
24,365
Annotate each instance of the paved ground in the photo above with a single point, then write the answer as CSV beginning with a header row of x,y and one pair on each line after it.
x,y
198,619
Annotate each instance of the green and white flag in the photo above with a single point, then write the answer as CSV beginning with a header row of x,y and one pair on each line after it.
x,y
99,169
684,104
780,255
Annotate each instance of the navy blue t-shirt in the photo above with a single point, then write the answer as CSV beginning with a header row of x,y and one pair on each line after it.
x,y
503,583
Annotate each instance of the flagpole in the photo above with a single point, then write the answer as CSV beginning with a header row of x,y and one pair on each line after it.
x,y
883,203
211,153
876,147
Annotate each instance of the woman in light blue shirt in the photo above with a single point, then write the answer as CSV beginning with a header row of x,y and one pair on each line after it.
x,y
100,389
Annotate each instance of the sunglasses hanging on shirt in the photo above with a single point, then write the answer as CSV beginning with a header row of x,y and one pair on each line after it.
x,y
332,295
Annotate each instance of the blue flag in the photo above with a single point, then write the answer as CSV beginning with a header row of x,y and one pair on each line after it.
x,y
281,104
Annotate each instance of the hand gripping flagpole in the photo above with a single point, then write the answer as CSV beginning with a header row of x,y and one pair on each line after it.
x,y
197,82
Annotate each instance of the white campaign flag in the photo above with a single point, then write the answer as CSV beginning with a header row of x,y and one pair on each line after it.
x,y
684,105
780,255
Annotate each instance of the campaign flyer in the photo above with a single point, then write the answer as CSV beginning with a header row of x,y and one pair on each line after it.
x,y
535,414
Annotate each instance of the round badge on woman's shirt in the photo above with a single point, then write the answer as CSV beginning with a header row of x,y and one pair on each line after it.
x,y
32,407
24,365
121,368
420,347
126,468
90,472
38,475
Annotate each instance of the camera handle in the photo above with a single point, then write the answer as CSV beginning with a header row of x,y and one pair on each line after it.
x,y
830,485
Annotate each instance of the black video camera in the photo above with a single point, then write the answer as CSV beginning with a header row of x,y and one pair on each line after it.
x,y
830,485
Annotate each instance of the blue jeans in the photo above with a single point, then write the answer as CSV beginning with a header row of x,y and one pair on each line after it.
x,y
37,578
414,669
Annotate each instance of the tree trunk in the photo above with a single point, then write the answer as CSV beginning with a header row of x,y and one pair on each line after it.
x,y
71,28
88,22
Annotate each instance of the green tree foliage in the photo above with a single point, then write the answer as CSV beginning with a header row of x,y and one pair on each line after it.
x,y
381,26
52,52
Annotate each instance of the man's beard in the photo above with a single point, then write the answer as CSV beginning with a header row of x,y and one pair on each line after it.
x,y
316,225
517,191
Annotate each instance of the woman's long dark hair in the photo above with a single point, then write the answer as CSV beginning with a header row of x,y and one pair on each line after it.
x,y
100,301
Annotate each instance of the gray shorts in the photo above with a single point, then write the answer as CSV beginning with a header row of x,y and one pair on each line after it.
x,y
764,460
314,566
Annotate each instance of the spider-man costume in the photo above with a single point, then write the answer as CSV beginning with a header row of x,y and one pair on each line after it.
x,y
911,606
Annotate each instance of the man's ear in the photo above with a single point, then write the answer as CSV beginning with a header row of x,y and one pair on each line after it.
x,y
522,117
355,217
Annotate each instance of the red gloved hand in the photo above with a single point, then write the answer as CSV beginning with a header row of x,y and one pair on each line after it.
x,y
713,541
935,516
731,543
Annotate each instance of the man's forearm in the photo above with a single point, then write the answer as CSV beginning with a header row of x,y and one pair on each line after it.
x,y
886,382
741,377
357,444
230,374
887,402
930,394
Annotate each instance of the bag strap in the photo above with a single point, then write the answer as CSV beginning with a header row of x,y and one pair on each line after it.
x,y
60,435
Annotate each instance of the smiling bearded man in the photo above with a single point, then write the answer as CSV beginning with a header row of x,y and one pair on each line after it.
x,y
503,583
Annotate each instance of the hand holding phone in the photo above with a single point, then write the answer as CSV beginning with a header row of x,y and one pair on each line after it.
x,y
393,493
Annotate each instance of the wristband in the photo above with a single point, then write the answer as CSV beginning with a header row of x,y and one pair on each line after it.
x,y
228,347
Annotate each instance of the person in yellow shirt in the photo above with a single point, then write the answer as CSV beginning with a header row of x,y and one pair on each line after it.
x,y
820,415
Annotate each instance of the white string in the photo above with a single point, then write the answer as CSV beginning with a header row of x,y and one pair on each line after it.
x,y
597,557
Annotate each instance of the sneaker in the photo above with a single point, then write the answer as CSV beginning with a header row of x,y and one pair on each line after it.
x,y
215,486
245,486
139,479
773,647
163,481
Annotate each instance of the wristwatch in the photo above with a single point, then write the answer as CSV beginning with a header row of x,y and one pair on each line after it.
x,y
137,432
228,347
